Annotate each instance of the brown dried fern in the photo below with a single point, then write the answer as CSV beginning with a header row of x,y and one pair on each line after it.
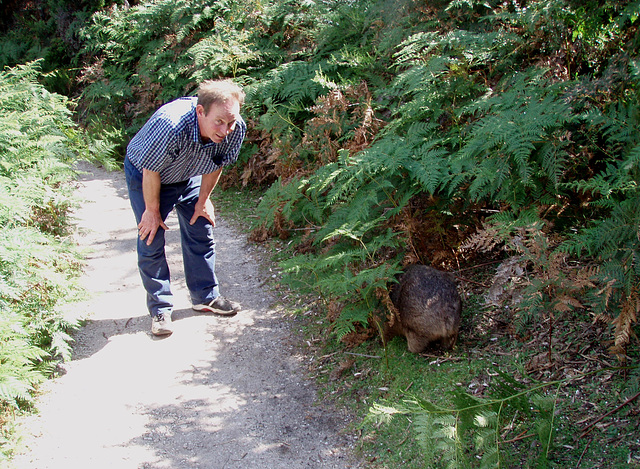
x,y
485,239
623,324
383,295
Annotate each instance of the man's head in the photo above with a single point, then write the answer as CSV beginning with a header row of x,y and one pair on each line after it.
x,y
218,108
219,92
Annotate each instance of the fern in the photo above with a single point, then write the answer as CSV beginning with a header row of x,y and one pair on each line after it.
x,y
349,273
292,83
222,55
349,203
613,239
38,266
516,146
19,361
614,242
147,52
473,432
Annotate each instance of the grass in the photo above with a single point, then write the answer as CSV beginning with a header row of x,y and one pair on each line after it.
x,y
237,206
356,381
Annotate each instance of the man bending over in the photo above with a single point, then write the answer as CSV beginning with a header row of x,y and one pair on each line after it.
x,y
175,161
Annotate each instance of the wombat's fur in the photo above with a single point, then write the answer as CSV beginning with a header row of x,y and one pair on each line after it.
x,y
428,309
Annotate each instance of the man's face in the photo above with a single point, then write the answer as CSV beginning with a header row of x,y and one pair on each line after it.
x,y
219,121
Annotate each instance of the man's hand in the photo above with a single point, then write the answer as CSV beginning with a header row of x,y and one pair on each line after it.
x,y
204,207
149,224
151,219
204,210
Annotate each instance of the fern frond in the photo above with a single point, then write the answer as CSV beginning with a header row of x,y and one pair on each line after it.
x,y
222,55
516,141
475,426
13,390
349,317
624,322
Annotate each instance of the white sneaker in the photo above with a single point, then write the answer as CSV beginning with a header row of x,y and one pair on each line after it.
x,y
161,325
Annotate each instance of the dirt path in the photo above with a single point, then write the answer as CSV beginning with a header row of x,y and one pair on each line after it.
x,y
218,393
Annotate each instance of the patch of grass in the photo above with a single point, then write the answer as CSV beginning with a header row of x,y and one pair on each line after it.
x,y
359,377
237,205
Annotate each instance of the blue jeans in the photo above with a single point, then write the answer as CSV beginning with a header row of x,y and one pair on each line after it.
x,y
198,245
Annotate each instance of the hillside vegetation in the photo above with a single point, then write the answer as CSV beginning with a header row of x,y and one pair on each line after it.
x,y
497,140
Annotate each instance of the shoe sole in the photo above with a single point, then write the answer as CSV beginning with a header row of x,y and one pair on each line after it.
x,y
219,312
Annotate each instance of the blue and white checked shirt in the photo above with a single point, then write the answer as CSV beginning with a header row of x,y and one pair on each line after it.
x,y
169,144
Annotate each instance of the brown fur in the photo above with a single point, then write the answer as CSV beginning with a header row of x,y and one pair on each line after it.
x,y
428,309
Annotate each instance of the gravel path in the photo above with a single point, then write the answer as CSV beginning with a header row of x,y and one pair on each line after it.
x,y
218,393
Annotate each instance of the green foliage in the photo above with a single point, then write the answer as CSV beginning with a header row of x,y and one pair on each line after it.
x,y
47,30
475,133
291,22
613,239
357,260
514,152
340,277
281,98
143,56
222,55
360,37
19,359
481,431
38,263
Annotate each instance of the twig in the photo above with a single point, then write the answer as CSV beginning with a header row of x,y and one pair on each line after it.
x,y
596,359
440,358
348,353
362,355
589,427
521,436
480,265
407,435
583,453
466,280
503,354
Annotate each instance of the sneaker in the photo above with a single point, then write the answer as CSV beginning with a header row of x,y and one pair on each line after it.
x,y
161,325
220,306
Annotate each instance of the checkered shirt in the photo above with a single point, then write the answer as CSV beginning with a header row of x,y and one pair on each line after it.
x,y
169,144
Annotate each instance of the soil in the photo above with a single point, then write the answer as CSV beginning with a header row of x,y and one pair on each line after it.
x,y
220,392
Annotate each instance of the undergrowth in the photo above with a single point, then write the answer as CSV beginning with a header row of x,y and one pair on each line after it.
x,y
490,402
39,264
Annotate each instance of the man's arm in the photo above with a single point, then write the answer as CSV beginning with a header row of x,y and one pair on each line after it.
x,y
151,219
204,207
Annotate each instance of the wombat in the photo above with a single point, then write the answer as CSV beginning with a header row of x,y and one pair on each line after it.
x,y
428,309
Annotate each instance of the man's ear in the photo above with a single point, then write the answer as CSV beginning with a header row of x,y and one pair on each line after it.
x,y
200,110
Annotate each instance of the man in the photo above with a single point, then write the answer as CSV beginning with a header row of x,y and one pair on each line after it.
x,y
175,161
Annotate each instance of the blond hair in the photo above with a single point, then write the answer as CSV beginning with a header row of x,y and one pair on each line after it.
x,y
218,91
